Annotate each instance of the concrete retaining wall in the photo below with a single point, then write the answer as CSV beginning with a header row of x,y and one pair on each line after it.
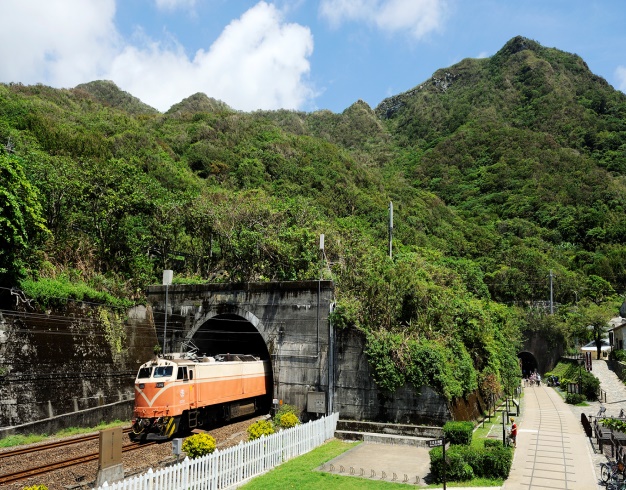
x,y
357,397
83,418
65,361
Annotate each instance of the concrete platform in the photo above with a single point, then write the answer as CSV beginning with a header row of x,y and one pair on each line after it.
x,y
407,464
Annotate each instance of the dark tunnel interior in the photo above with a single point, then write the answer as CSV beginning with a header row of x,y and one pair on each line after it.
x,y
230,334
529,363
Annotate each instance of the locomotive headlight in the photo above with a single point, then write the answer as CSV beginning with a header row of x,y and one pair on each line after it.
x,y
160,384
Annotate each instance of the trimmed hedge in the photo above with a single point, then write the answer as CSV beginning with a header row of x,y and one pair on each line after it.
x,y
574,398
458,432
456,470
489,462
488,443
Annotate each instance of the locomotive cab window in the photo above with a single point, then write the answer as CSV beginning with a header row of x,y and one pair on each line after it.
x,y
182,373
163,371
144,372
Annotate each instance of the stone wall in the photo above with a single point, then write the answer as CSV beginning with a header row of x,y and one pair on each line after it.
x,y
358,398
89,417
71,359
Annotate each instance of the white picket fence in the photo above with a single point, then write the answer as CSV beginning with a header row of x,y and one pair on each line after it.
x,y
235,465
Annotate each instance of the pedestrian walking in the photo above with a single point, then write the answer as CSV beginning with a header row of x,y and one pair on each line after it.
x,y
513,432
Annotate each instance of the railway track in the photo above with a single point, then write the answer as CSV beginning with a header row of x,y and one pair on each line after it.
x,y
52,445
21,475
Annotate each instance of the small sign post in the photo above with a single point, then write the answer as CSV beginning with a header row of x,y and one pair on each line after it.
x,y
436,443
110,467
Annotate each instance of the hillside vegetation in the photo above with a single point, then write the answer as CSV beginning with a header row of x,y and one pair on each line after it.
x,y
500,170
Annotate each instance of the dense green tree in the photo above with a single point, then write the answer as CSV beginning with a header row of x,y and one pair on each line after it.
x,y
21,220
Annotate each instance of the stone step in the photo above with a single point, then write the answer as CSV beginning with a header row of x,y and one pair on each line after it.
x,y
425,431
376,438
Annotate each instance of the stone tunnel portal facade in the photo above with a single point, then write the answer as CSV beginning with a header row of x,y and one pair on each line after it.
x,y
286,322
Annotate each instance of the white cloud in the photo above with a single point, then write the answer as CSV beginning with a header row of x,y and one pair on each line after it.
x,y
620,75
258,62
417,17
175,4
42,42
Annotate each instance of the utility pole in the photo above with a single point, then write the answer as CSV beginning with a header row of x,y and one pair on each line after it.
x,y
390,228
551,295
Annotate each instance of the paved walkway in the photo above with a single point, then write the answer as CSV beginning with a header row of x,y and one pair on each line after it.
x,y
552,452
552,449
614,387
615,401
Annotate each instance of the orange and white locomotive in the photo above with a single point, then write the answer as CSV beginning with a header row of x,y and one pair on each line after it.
x,y
180,392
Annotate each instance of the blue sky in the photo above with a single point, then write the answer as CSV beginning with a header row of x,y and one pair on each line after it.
x,y
293,54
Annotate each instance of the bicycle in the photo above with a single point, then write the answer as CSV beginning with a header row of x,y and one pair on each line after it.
x,y
616,485
611,470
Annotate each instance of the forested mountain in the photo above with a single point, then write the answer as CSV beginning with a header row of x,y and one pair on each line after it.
x,y
500,170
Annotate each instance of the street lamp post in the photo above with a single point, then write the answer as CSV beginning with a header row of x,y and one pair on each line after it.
x,y
167,280
580,375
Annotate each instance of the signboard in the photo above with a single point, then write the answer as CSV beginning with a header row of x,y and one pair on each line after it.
x,y
588,362
435,442
110,447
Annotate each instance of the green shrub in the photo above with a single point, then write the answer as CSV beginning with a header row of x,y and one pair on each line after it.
x,y
457,468
288,420
199,445
489,443
618,355
614,424
490,462
574,398
260,428
591,386
496,462
458,432
284,410
36,487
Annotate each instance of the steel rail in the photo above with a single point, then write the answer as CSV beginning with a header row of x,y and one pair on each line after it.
x,y
52,445
22,475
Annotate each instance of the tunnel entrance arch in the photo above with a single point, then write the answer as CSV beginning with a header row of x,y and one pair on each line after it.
x,y
528,362
233,333
229,334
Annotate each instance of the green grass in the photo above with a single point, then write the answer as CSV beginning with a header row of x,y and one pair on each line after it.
x,y
299,474
21,440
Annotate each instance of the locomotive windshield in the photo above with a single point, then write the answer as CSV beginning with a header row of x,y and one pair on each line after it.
x,y
163,371
144,372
